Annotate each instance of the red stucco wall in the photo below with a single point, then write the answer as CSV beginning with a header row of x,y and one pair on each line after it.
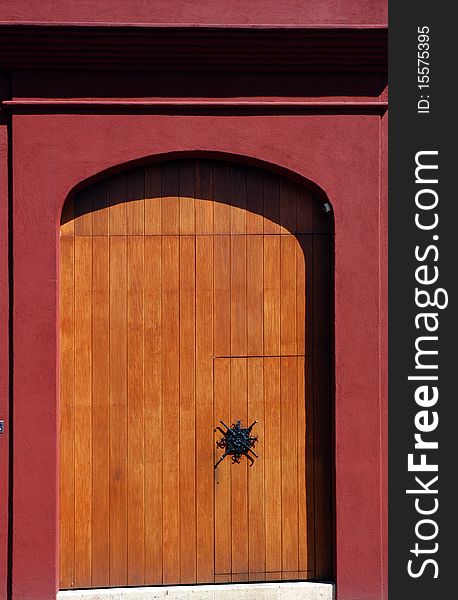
x,y
340,150
342,155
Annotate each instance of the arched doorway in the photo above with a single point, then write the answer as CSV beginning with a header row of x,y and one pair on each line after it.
x,y
194,292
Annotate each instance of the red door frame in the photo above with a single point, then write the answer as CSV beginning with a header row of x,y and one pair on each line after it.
x,y
344,156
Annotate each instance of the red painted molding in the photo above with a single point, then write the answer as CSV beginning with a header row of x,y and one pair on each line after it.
x,y
206,12
273,106
200,25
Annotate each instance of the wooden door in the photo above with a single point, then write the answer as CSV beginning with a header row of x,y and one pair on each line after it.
x,y
193,292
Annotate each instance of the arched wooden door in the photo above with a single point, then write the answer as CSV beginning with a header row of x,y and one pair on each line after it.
x,y
192,292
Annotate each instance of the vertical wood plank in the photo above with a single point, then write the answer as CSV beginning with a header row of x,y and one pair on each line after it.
x,y
305,296
271,194
255,295
205,421
67,432
100,207
256,510
83,416
100,411
153,202
83,212
118,208
135,411
135,205
289,509
221,198
305,465
288,329
204,197
67,219
222,474
118,409
322,421
288,204
272,468
239,475
170,203
153,409
187,421
222,287
171,408
305,204
272,292
187,194
301,297
237,194
238,296
254,202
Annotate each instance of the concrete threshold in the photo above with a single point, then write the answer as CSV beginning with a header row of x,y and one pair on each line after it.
x,y
296,590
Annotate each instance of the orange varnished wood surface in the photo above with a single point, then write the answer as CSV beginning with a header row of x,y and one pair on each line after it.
x,y
193,291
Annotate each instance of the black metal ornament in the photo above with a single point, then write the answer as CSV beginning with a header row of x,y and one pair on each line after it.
x,y
237,441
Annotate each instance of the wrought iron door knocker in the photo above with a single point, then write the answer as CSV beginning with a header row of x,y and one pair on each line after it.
x,y
237,441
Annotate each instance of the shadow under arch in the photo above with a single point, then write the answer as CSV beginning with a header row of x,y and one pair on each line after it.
x,y
218,156
286,200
